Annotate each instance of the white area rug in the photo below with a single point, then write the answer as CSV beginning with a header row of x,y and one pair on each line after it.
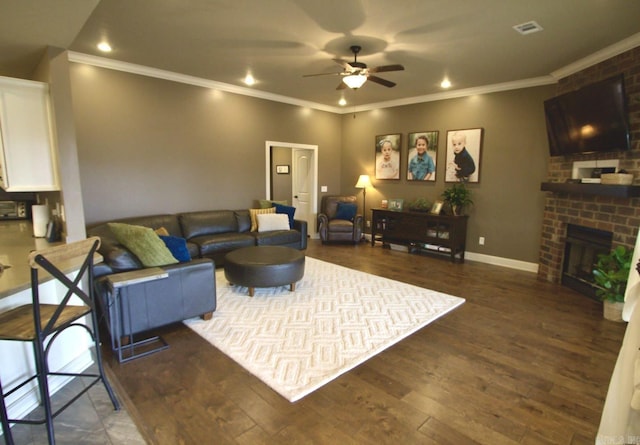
x,y
336,319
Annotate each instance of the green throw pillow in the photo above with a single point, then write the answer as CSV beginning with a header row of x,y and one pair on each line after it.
x,y
144,243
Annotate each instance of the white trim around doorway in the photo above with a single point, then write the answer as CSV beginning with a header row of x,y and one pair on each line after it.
x,y
311,220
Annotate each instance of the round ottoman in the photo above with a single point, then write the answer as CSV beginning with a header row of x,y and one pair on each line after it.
x,y
264,266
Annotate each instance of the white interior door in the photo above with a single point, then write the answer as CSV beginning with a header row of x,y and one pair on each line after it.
x,y
304,181
302,184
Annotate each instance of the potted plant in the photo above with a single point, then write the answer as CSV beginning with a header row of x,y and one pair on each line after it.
x,y
457,197
610,275
419,205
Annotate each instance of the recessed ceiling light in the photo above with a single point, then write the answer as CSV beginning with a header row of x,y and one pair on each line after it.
x,y
104,47
249,79
445,83
342,102
528,27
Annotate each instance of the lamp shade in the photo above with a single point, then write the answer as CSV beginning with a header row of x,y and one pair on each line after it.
x,y
363,182
355,81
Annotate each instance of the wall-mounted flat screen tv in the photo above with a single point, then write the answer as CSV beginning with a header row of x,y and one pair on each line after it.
x,y
591,119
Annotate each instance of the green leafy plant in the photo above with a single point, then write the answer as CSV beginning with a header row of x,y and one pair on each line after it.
x,y
611,273
457,196
419,205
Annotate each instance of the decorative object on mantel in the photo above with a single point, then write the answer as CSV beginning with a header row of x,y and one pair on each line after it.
x,y
437,207
457,197
610,274
419,205
620,178
396,204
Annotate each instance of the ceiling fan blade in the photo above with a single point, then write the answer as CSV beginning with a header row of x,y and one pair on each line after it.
x,y
321,74
386,68
381,81
343,63
341,86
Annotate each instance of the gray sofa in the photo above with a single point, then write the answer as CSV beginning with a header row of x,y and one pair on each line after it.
x,y
189,290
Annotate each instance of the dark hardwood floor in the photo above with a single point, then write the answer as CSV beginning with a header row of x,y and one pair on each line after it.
x,y
521,362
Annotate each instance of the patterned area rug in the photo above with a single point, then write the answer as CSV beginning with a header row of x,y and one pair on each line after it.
x,y
336,319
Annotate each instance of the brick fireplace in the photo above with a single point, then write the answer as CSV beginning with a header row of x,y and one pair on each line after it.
x,y
581,251
617,214
621,216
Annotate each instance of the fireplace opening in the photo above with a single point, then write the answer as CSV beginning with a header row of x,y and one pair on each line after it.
x,y
582,247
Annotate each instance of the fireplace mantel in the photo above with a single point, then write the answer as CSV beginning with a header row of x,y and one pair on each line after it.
x,y
618,191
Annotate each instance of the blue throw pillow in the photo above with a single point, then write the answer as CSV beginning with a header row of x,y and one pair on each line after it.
x,y
178,247
287,210
346,211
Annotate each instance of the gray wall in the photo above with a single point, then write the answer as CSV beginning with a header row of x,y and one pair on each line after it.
x,y
508,203
153,146
281,185
150,146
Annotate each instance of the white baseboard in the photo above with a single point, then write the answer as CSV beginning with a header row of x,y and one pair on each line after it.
x,y
481,258
504,262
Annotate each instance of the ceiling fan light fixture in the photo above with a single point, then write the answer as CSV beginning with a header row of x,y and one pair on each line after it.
x,y
354,81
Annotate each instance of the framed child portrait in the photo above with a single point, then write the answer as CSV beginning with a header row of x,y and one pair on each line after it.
x,y
422,154
388,156
463,155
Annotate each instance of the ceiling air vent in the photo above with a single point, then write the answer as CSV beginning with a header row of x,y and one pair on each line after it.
x,y
528,27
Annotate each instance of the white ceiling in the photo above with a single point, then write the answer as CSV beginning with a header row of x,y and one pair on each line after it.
x,y
471,42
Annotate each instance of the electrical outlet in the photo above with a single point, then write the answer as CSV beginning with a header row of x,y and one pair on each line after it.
x,y
368,223
323,189
481,240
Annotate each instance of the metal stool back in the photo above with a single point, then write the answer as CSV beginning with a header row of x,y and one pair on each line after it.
x,y
37,322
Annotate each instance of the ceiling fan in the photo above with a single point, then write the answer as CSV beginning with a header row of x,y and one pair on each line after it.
x,y
356,73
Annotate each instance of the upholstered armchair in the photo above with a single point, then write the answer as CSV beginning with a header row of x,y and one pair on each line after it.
x,y
339,220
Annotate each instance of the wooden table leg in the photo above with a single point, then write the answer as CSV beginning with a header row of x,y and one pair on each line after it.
x,y
252,291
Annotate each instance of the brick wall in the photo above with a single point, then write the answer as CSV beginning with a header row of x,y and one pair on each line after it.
x,y
618,215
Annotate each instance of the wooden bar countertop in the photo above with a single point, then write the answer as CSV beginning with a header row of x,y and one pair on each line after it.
x,y
16,241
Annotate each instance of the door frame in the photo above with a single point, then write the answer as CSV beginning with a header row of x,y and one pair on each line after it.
x,y
313,214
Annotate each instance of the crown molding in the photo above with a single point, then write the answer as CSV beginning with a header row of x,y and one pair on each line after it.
x,y
495,88
142,70
599,56
595,58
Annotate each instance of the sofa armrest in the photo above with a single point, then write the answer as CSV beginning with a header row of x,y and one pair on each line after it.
x,y
323,226
358,227
188,291
301,226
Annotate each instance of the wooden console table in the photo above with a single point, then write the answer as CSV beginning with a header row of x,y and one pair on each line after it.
x,y
421,231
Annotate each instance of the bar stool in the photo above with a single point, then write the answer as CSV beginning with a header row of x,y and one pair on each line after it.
x,y
38,322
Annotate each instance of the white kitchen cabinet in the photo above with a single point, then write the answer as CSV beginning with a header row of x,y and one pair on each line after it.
x,y
28,161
